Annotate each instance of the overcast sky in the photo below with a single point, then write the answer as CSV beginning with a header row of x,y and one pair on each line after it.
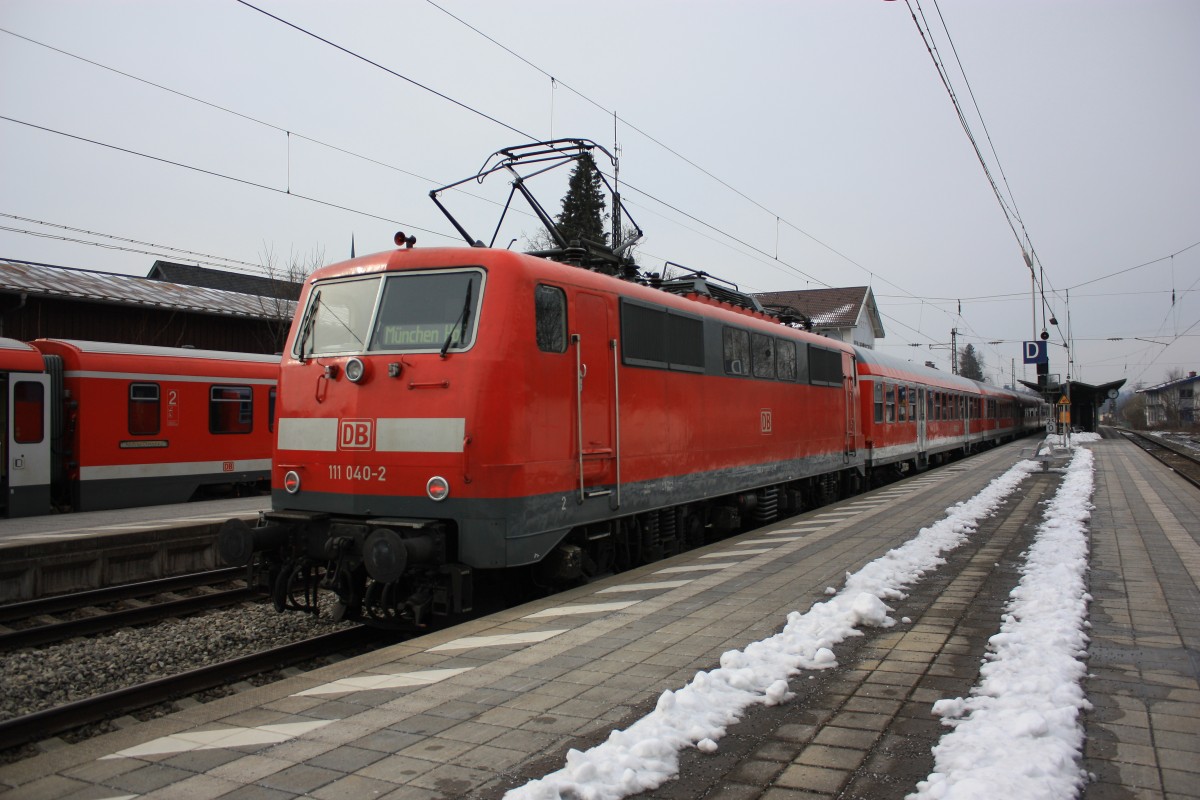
x,y
779,145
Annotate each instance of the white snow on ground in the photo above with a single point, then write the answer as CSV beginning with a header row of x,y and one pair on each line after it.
x,y
646,755
1018,734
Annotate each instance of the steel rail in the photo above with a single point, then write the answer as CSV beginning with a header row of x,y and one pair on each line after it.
x,y
112,620
1183,464
110,594
43,724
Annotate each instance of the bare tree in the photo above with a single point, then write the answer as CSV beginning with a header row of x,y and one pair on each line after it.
x,y
1132,410
286,278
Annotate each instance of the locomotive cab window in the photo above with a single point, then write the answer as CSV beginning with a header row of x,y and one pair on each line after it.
x,y
429,311
337,318
230,409
550,311
144,409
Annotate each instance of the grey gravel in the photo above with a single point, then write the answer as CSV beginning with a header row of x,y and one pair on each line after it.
x,y
39,678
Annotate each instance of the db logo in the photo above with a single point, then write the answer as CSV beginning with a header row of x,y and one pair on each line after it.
x,y
356,434
227,466
764,420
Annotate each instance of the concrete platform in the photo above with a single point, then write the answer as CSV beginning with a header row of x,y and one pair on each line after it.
x,y
472,711
59,553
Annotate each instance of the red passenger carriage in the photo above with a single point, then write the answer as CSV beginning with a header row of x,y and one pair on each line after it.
x,y
123,425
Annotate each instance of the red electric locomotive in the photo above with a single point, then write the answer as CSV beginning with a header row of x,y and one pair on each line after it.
x,y
449,410
93,425
448,413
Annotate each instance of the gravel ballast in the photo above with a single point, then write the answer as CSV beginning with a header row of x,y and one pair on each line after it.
x,y
39,678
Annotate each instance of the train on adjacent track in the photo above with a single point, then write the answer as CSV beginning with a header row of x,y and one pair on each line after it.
x,y
449,415
96,425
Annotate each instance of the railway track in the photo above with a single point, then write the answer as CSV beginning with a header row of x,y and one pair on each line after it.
x,y
55,619
22,730
76,716
1184,464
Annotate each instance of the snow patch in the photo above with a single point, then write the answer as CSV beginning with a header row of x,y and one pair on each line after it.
x,y
646,755
1018,734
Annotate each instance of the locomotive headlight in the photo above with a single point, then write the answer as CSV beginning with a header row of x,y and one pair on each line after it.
x,y
356,369
291,482
438,488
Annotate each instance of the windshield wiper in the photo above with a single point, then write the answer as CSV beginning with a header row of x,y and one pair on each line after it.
x,y
460,324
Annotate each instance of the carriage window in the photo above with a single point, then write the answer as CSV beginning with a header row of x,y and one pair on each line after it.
x,y
785,360
144,407
271,409
29,402
878,401
891,402
230,409
902,403
763,356
736,345
550,309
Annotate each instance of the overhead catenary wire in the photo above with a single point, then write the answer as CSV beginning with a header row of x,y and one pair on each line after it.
x,y
1007,205
557,81
346,50
223,176
674,208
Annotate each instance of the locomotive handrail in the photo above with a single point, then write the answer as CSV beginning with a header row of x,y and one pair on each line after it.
x,y
612,343
579,373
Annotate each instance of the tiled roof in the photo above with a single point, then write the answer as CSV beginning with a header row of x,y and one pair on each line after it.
x,y
828,308
44,280
1169,384
190,275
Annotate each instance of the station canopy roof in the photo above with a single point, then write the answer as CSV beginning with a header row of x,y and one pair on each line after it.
x,y
45,280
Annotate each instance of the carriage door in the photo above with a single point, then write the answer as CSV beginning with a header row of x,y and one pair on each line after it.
x,y
850,381
922,410
27,445
595,403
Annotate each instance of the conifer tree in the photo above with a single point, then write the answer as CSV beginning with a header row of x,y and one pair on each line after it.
x,y
970,365
583,206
